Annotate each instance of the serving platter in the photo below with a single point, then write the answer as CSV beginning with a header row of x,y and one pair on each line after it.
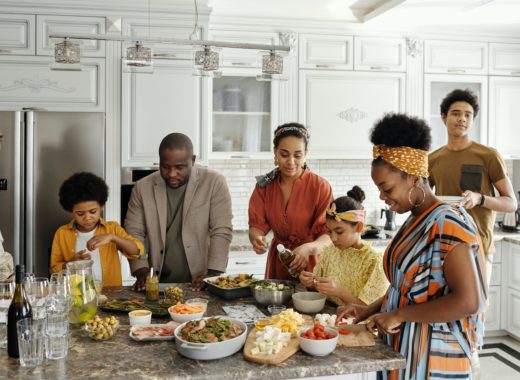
x,y
227,293
125,305
160,329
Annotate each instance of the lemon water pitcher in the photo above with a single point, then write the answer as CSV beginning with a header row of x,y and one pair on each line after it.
x,y
83,291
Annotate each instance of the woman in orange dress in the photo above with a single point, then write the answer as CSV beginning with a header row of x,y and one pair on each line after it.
x,y
290,201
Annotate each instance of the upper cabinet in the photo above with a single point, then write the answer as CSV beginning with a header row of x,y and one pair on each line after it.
x,y
46,25
504,59
340,108
380,54
17,34
456,57
326,52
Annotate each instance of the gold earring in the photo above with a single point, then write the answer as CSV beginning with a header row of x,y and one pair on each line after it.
x,y
414,205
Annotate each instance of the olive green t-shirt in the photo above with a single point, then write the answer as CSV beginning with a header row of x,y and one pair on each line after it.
x,y
475,168
175,265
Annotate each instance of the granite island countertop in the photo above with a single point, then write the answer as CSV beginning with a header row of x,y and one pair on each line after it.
x,y
121,357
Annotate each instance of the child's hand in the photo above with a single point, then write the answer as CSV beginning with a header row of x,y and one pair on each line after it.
x,y
81,255
260,244
327,286
307,279
98,241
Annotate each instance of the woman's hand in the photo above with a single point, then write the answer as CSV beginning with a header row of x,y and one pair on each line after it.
x,y
301,257
358,312
260,244
387,323
328,286
99,240
307,279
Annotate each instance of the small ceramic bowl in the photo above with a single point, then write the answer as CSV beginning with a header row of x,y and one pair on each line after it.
x,y
140,317
181,318
202,302
309,302
318,347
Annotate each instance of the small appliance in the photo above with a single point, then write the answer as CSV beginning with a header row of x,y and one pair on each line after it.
x,y
390,219
511,222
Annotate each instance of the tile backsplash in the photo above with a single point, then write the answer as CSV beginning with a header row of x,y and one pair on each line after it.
x,y
341,174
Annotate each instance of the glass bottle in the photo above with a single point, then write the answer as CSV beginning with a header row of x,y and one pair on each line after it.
x,y
18,310
83,291
152,287
286,256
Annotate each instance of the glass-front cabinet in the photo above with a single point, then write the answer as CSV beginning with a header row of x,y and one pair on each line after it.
x,y
436,87
242,118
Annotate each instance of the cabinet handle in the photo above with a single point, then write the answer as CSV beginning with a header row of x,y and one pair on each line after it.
x,y
240,64
325,66
379,68
244,263
5,51
165,55
155,163
456,70
515,72
238,156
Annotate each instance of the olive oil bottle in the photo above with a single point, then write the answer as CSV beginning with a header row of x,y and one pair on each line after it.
x,y
19,309
286,256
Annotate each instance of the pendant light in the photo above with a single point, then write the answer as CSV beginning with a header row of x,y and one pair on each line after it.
x,y
67,56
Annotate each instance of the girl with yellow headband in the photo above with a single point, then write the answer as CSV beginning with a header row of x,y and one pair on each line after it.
x,y
349,271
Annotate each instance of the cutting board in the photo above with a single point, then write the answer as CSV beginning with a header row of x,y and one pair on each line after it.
x,y
277,358
359,336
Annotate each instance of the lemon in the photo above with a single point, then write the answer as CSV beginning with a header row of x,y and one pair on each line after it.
x,y
84,317
78,301
76,279
91,310
76,292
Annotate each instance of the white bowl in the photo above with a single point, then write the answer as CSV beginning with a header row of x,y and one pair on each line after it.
x,y
318,347
140,317
309,302
181,318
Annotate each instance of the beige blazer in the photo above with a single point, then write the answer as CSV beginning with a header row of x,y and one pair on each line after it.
x,y
206,221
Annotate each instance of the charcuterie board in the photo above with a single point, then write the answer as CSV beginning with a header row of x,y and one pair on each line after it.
x,y
277,358
359,336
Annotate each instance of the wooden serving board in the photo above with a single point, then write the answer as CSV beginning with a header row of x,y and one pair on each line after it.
x,y
359,336
277,358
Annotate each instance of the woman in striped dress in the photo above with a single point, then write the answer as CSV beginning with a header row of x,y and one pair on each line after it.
x,y
432,311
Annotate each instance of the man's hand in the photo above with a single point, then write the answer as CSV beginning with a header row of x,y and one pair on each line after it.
x,y
81,255
197,283
140,276
470,199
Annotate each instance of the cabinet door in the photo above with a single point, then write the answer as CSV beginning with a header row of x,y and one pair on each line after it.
x,y
456,57
154,105
340,108
493,312
326,52
247,262
436,87
513,311
243,57
17,34
379,54
513,278
28,81
504,59
46,25
504,98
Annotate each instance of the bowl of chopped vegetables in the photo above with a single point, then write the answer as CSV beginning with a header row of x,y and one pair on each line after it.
x,y
183,312
272,292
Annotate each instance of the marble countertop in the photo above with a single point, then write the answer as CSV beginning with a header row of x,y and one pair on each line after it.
x,y
121,357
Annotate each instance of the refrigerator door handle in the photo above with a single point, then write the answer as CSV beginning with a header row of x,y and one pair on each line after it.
x,y
29,191
17,187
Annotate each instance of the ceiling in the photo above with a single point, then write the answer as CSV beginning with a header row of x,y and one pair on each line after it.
x,y
469,16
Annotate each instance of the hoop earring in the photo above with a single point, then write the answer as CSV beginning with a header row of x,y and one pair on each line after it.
x,y
414,205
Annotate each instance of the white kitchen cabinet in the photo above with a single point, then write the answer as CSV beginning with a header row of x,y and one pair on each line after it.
x,y
340,108
436,87
28,81
154,105
504,98
243,57
247,262
46,24
513,311
492,321
455,57
513,265
326,52
379,54
17,34
504,59
244,115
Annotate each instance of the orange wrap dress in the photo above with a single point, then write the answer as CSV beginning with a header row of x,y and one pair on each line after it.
x,y
302,221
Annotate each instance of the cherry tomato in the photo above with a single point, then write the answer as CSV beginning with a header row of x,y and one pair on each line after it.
x,y
344,332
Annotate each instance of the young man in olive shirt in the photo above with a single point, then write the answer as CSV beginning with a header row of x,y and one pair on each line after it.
x,y
472,170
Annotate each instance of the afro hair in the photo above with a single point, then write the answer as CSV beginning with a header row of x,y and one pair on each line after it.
x,y
82,187
460,96
396,130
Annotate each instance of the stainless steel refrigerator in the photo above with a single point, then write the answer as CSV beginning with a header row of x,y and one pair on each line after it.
x,y
39,151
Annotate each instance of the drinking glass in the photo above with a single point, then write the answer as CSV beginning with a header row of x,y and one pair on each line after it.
x,y
37,291
6,296
56,345
59,299
30,341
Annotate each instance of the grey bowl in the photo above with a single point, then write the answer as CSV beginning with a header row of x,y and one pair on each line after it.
x,y
273,297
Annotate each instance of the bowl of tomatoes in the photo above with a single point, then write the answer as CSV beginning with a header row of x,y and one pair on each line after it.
x,y
318,340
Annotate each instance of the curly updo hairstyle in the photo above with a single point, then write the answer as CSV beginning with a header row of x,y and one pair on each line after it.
x,y
291,129
82,187
460,96
352,201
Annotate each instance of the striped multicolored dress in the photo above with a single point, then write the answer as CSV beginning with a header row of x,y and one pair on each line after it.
x,y
413,263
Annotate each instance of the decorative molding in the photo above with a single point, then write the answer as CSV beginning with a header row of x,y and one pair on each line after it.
x,y
352,115
288,39
113,24
36,85
414,47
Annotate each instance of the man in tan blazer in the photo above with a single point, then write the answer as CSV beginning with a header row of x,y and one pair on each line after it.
x,y
182,214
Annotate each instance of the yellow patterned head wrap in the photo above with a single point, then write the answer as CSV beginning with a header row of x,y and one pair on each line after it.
x,y
348,216
409,160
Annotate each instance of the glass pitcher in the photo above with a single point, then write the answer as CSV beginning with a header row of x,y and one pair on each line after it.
x,y
84,295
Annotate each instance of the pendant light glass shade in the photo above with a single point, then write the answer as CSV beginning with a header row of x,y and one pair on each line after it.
x,y
67,55
207,62
272,66
138,59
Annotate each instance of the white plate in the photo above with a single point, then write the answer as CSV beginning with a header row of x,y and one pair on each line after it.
x,y
171,325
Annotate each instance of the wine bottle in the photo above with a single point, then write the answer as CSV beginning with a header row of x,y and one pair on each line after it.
x,y
19,309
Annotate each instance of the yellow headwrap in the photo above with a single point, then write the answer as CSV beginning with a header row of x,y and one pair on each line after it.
x,y
409,160
348,216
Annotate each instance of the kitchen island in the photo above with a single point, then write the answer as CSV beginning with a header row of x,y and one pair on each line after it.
x,y
121,357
